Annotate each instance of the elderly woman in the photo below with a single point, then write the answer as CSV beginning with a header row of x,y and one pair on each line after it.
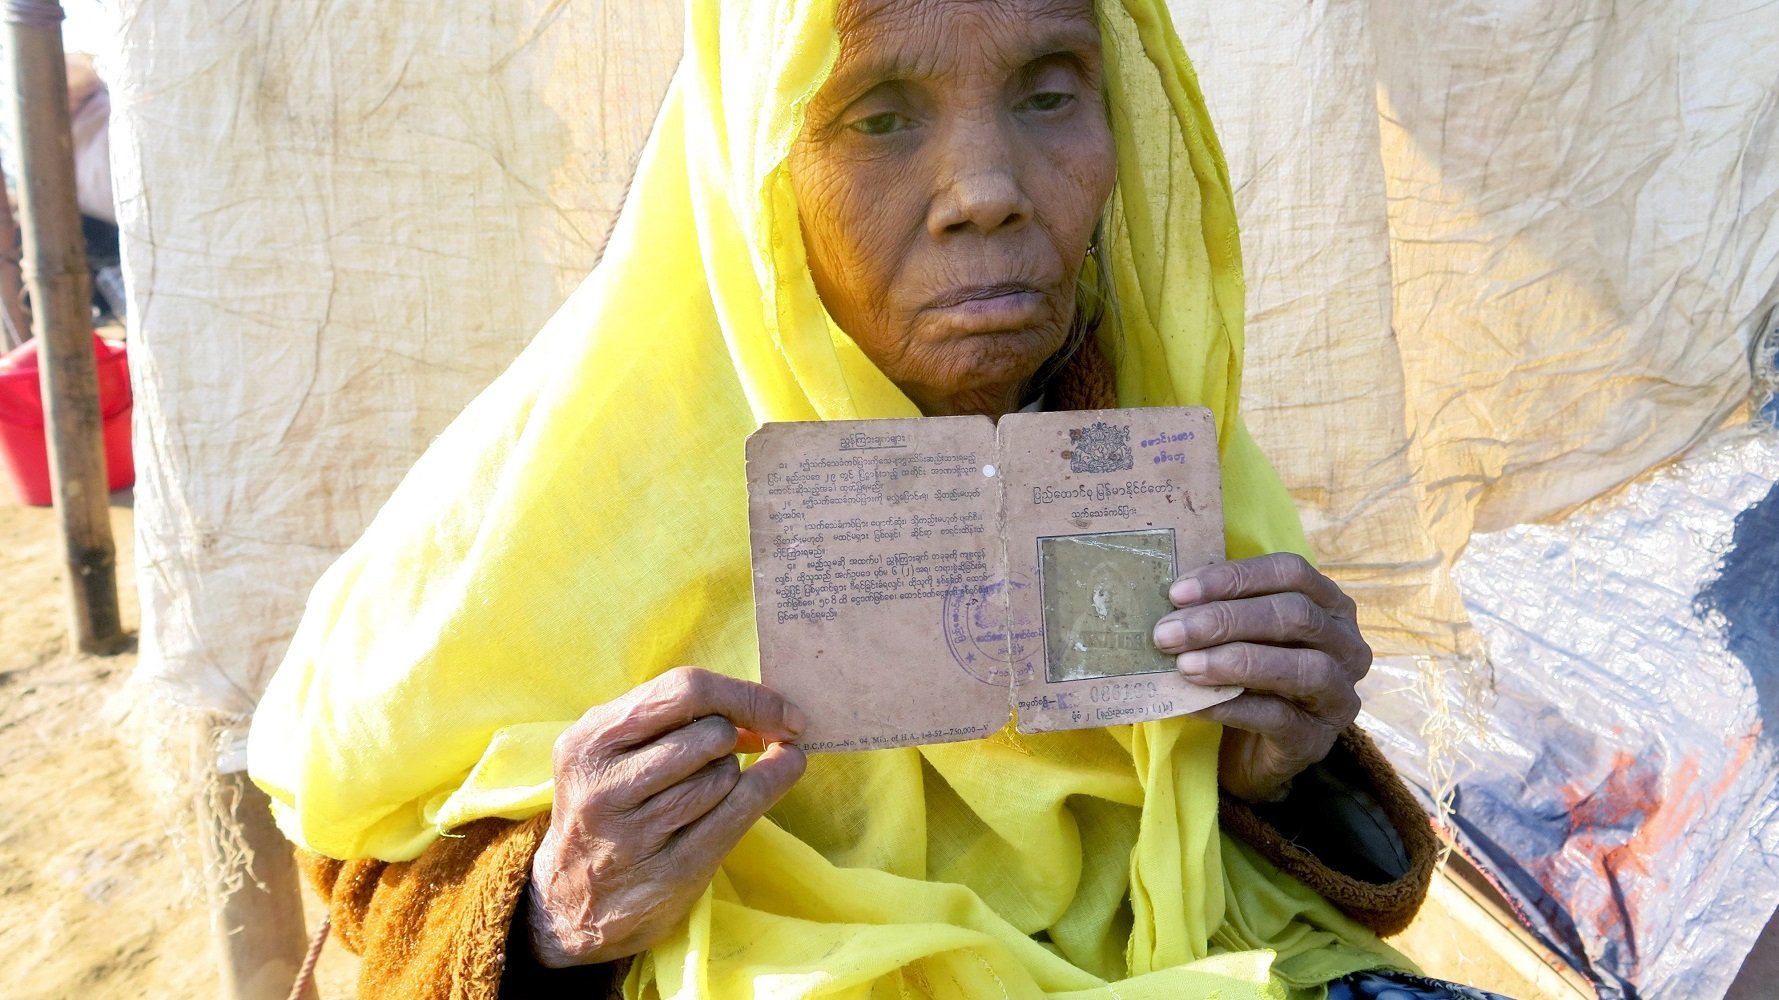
x,y
518,735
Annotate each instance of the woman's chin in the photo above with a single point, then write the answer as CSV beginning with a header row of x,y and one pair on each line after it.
x,y
988,373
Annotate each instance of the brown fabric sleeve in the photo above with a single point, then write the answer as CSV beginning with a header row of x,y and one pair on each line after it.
x,y
1383,894
443,927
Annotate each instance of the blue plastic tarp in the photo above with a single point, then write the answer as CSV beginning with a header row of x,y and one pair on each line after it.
x,y
1619,782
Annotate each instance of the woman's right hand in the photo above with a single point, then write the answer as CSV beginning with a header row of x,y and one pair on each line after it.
x,y
650,798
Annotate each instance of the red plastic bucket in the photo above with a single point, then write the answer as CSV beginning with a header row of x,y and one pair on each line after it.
x,y
24,456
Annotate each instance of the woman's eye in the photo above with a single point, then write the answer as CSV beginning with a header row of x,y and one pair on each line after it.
x,y
882,123
1047,101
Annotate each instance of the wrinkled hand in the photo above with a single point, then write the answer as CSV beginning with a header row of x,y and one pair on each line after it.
x,y
650,798
1286,633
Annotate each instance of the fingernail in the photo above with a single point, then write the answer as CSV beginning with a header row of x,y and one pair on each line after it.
x,y
794,719
1192,664
1170,635
1187,591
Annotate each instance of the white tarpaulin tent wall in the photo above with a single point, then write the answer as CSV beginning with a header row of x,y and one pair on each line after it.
x,y
1502,257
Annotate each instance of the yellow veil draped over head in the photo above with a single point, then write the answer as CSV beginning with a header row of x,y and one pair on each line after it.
x,y
582,527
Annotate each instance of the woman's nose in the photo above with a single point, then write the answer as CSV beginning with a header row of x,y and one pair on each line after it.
x,y
979,186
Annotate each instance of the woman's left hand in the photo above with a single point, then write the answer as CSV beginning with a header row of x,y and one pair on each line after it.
x,y
1286,633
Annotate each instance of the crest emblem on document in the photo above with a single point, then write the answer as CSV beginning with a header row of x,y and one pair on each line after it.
x,y
1100,448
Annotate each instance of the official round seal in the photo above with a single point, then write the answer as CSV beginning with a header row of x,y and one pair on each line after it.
x,y
982,639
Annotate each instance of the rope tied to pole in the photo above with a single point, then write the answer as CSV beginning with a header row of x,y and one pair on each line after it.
x,y
33,13
305,977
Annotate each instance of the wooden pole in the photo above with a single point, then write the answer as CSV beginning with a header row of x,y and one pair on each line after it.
x,y
61,306
258,923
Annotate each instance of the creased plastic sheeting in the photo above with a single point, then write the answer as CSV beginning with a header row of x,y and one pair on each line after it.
x,y
1584,221
1502,257
1292,89
1625,793
340,222
1568,213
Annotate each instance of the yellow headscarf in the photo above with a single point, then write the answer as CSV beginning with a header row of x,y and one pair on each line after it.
x,y
582,527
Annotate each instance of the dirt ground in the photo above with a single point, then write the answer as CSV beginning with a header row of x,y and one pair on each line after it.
x,y
97,901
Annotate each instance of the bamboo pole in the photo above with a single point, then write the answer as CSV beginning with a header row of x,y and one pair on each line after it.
x,y
61,306
257,923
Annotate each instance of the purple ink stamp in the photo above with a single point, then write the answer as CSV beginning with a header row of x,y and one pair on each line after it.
x,y
988,643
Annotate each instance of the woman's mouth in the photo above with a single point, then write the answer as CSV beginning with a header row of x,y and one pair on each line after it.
x,y
990,308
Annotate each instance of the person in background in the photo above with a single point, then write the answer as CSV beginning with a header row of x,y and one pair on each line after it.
x,y
89,121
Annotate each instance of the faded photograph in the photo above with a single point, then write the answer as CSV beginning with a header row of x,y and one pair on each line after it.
x,y
1102,595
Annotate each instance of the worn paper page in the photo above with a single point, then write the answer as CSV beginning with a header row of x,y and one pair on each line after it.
x,y
1102,511
877,578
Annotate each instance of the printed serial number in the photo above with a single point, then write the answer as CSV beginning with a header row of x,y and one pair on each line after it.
x,y
1117,691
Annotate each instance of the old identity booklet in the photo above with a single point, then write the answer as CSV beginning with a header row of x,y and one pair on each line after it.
x,y
918,581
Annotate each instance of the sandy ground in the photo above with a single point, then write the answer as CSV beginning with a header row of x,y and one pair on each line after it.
x,y
96,900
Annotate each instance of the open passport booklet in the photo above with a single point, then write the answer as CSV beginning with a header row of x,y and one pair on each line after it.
x,y
922,580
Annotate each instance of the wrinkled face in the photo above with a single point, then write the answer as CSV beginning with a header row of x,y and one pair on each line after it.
x,y
948,178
